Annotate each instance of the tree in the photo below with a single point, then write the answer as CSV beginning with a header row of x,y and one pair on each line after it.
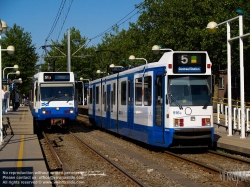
x,y
181,26
25,56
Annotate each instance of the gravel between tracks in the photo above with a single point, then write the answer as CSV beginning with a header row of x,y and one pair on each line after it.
x,y
151,167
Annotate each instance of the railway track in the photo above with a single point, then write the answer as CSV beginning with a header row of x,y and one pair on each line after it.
x,y
232,174
123,171
158,165
62,166
219,173
59,165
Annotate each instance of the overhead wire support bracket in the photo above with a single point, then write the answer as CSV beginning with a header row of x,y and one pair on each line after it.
x,y
81,47
44,47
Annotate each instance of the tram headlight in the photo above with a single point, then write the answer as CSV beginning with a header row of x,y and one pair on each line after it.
x,y
43,111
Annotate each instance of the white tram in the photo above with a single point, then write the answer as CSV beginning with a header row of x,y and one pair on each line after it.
x,y
166,103
53,98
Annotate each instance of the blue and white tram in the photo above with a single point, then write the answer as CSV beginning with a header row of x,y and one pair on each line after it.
x,y
54,98
166,103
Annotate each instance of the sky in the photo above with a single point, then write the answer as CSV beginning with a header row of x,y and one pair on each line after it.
x,y
90,17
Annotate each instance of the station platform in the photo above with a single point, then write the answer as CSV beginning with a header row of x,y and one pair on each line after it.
x,y
21,160
232,143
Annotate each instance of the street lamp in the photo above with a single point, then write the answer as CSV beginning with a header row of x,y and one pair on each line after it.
x,y
15,67
156,49
20,80
132,59
16,73
99,72
10,50
212,26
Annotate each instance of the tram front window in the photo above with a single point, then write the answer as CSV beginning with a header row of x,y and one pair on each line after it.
x,y
56,92
189,91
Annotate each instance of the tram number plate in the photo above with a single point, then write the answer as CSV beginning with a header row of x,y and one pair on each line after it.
x,y
57,121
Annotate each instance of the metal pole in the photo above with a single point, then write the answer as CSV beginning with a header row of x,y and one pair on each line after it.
x,y
3,72
229,85
1,107
69,62
8,100
242,86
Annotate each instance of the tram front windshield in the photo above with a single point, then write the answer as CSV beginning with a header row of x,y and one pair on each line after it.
x,y
189,91
56,92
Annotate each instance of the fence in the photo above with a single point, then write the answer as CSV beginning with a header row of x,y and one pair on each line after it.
x,y
221,113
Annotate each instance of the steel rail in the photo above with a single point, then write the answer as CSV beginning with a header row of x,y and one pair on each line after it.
x,y
58,161
134,179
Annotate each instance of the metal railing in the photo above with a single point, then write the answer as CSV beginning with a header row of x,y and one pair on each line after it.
x,y
221,113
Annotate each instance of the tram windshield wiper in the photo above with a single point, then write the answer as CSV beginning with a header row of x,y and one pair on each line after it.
x,y
175,101
71,97
55,98
52,99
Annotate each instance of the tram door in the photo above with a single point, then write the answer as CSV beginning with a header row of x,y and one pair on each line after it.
x,y
35,97
130,104
108,106
159,109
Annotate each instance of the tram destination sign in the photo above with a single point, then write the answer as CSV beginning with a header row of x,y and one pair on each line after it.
x,y
56,77
189,63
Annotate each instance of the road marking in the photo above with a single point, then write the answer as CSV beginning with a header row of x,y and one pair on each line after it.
x,y
20,155
19,160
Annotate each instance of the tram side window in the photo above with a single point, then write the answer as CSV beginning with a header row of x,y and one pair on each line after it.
x,y
103,95
104,100
36,92
97,95
138,91
123,93
113,97
147,91
114,93
111,105
90,96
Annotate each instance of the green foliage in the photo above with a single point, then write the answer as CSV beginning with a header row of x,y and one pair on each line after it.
x,y
181,25
25,56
